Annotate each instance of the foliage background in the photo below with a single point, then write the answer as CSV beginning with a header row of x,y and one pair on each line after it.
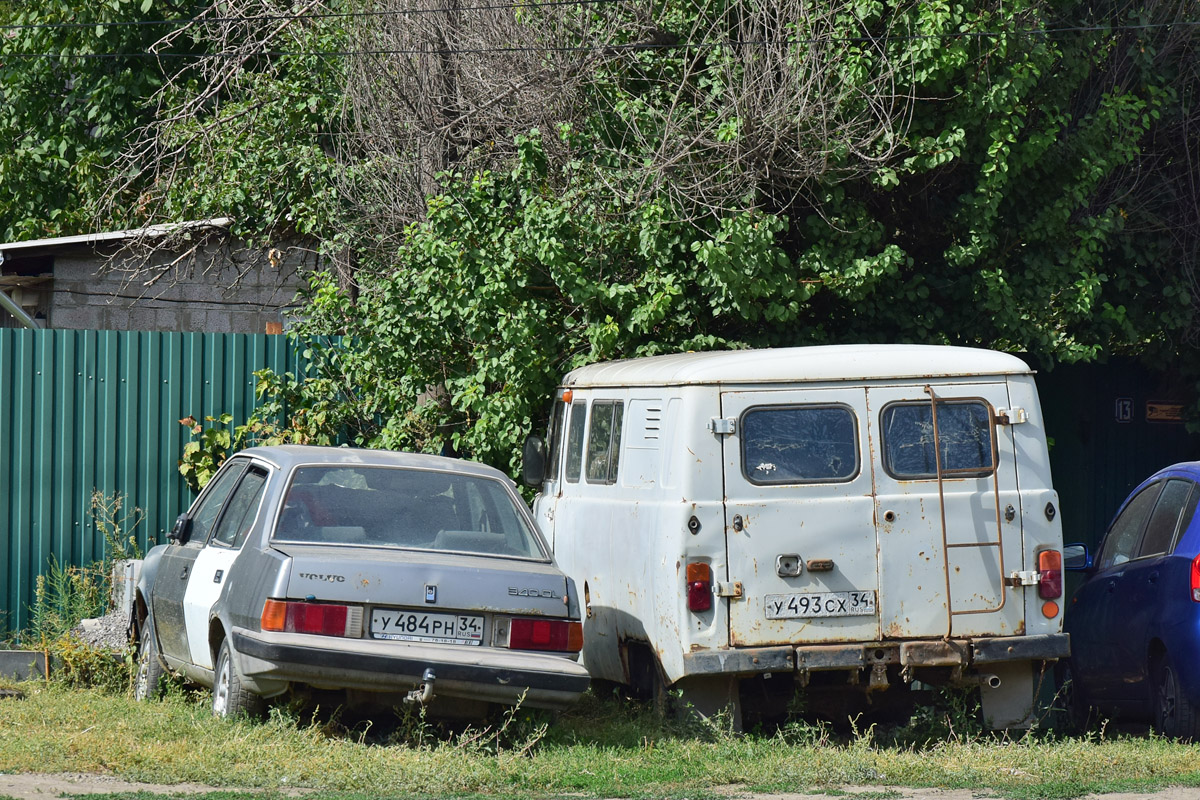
x,y
1029,186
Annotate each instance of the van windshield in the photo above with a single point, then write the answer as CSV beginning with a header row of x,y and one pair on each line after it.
x,y
402,507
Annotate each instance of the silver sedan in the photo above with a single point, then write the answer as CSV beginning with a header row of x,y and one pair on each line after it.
x,y
386,576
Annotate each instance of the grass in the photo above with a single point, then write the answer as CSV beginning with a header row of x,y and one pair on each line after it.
x,y
603,748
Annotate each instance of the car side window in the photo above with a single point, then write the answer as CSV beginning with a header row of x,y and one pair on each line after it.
x,y
242,509
1167,517
575,430
214,499
604,441
1122,540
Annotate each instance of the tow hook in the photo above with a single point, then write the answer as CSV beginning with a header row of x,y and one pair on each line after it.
x,y
423,693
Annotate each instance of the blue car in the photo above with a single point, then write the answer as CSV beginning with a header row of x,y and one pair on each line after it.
x,y
1135,621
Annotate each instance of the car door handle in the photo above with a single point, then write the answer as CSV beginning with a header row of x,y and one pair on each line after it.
x,y
1153,577
183,575
1112,586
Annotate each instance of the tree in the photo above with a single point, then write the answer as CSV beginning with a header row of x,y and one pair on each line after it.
x,y
73,82
130,113
1019,165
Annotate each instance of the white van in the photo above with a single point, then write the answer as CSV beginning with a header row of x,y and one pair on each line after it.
x,y
847,520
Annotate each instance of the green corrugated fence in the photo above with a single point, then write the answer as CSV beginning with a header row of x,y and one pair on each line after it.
x,y
82,411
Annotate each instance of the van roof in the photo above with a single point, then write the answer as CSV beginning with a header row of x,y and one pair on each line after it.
x,y
849,362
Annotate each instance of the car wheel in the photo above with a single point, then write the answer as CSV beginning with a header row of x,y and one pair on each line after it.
x,y
230,698
1075,706
1174,715
150,670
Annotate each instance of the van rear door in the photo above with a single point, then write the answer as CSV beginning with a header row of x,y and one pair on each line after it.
x,y
800,533
945,546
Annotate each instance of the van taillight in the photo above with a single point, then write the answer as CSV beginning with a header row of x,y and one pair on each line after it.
x,y
545,634
1196,579
322,618
699,586
1050,586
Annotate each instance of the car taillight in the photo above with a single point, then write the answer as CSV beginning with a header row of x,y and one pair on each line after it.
x,y
699,586
1050,586
545,634
1196,579
325,619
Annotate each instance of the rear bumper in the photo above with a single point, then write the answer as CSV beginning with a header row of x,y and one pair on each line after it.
x,y
859,655
268,661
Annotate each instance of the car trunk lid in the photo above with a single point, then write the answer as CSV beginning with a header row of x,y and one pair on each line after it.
x,y
426,580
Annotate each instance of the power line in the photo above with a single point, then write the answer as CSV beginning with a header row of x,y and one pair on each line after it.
x,y
622,47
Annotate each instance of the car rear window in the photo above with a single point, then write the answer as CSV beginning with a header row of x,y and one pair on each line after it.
x,y
799,444
964,435
403,507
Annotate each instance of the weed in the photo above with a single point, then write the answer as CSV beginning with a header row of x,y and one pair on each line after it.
x,y
117,523
77,664
953,715
63,597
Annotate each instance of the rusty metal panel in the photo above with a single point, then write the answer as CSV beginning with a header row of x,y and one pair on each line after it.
x,y
824,657
933,653
84,411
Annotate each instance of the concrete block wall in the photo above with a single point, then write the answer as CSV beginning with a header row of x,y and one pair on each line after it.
x,y
223,287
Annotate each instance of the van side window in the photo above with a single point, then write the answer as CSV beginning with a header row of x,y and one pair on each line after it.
x,y
604,441
557,437
963,431
575,430
799,444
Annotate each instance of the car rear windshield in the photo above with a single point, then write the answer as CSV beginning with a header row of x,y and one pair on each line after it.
x,y
403,507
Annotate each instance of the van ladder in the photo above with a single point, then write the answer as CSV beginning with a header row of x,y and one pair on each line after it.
x,y
942,473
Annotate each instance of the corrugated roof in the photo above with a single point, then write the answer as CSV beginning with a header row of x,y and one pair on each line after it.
x,y
796,364
153,232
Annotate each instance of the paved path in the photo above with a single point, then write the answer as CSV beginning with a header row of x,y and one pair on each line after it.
x,y
31,786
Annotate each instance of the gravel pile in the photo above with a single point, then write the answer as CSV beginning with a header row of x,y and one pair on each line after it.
x,y
110,632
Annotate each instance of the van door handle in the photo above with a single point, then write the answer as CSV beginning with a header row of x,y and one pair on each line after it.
x,y
183,575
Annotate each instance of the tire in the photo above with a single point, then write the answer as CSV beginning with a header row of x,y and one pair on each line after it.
x,y
147,681
1076,709
230,698
1174,714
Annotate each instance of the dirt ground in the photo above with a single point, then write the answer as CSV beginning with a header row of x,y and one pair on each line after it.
x,y
31,786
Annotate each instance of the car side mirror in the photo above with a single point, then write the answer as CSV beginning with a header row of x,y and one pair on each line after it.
x,y
1076,557
533,460
180,530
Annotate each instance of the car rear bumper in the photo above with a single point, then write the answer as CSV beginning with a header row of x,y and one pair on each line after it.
x,y
268,660
862,655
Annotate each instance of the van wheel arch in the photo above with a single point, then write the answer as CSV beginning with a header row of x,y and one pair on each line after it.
x,y
644,673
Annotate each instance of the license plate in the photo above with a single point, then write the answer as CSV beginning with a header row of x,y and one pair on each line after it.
x,y
802,605
420,626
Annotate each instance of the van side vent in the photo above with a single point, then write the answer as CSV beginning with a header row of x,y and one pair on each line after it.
x,y
653,423
721,427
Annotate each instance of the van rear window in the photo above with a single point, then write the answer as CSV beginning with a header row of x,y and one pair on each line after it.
x,y
964,433
799,444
